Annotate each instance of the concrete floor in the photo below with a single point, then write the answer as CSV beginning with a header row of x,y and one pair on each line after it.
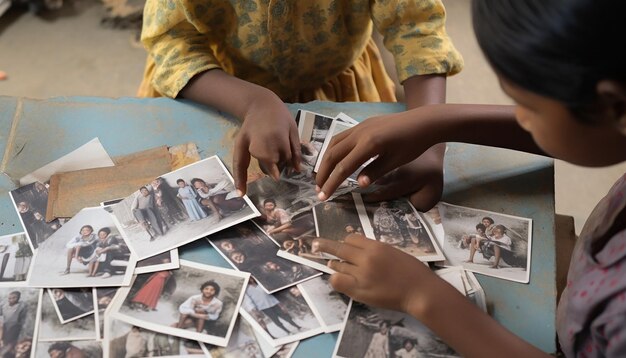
x,y
68,53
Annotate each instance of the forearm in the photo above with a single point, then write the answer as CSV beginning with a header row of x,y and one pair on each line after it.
x,y
215,88
423,90
468,334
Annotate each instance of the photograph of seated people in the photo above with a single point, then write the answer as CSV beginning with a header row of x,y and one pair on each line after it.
x,y
201,311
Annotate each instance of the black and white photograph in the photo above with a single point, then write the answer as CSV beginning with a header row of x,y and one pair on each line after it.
x,y
375,332
336,127
82,348
51,329
125,340
247,248
242,343
313,129
16,258
167,260
397,223
282,317
329,306
30,202
337,218
180,207
18,316
87,251
486,242
197,302
72,303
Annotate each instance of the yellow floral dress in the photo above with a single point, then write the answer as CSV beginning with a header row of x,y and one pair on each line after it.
x,y
300,49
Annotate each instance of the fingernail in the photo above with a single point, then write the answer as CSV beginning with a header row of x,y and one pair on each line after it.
x,y
365,180
321,196
317,189
239,193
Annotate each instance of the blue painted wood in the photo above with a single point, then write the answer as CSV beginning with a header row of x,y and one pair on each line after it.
x,y
485,178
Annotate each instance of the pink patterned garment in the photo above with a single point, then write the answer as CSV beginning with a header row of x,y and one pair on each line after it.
x,y
591,317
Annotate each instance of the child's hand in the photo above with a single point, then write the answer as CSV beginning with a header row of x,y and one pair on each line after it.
x,y
269,134
396,139
378,274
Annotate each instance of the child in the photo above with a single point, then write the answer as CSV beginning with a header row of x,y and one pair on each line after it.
x,y
247,57
562,64
189,199
80,247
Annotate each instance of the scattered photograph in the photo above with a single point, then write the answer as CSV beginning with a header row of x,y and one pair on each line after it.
x,y
18,317
180,207
282,317
398,224
87,251
197,302
286,351
125,340
16,257
486,242
103,297
82,349
30,202
337,218
336,127
313,129
247,248
328,305
164,261
72,303
376,332
242,343
51,329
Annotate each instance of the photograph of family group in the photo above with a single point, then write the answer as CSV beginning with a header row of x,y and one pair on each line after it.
x,y
51,329
125,340
397,223
329,306
280,318
196,302
180,207
247,248
487,242
87,251
30,202
374,332
18,317
16,258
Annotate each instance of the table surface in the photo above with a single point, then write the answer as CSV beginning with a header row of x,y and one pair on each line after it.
x,y
36,132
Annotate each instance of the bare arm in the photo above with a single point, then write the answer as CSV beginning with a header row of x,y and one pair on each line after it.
x,y
268,132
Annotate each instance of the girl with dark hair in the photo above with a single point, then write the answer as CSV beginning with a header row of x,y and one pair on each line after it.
x,y
562,63
80,247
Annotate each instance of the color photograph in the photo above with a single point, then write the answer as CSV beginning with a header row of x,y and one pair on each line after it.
x,y
16,258
180,207
85,252
197,302
18,316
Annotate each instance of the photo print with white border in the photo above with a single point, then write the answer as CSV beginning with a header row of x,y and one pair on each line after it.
x,y
282,317
197,302
68,348
125,340
242,343
377,332
328,305
51,329
19,309
196,200
247,248
16,256
397,223
87,251
72,303
488,236
167,260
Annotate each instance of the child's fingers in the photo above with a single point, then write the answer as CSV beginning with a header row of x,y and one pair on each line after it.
x,y
342,250
241,161
343,283
342,170
343,267
296,154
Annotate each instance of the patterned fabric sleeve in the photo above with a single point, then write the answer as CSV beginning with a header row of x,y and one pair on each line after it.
x,y
414,32
177,44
